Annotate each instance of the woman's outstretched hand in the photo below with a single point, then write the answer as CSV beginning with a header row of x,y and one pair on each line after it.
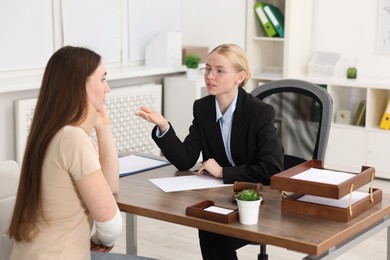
x,y
154,117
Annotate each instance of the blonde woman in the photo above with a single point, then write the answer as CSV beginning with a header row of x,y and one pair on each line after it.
x,y
233,130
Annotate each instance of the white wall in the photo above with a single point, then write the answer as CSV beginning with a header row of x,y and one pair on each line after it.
x,y
349,27
16,42
213,22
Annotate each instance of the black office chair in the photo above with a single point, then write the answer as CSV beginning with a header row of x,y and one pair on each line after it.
x,y
303,117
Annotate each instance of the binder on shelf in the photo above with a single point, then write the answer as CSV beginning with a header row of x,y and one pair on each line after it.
x,y
359,116
276,17
265,23
385,122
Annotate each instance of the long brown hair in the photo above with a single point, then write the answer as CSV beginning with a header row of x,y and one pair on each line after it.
x,y
62,101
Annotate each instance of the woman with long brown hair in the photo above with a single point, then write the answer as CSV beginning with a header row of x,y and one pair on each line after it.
x,y
67,183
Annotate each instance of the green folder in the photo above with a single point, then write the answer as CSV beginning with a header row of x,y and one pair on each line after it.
x,y
265,23
276,18
360,114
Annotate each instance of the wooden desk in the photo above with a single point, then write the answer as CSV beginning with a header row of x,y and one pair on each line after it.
x,y
321,238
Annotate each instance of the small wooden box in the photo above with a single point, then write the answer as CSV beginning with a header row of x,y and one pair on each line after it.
x,y
198,211
291,204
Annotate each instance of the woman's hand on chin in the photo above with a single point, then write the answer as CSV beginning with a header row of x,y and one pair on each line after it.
x,y
102,118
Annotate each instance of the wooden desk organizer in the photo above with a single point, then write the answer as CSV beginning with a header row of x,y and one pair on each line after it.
x,y
198,211
284,182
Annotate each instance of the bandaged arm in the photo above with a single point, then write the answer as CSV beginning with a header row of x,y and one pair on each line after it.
x,y
108,231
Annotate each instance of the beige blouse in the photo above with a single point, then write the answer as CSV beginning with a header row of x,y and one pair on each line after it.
x,y
65,234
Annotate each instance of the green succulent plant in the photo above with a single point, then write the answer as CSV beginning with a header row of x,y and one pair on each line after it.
x,y
191,61
248,195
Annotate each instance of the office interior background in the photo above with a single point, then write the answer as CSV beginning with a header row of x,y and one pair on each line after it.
x,y
32,30
32,33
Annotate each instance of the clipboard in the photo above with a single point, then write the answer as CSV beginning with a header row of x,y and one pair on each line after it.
x,y
131,164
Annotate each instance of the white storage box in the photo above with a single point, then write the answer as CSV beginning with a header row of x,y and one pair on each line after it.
x,y
324,64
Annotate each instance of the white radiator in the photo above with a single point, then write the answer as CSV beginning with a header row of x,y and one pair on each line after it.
x,y
131,132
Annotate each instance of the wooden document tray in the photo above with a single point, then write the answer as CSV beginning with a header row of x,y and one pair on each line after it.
x,y
283,181
291,204
198,211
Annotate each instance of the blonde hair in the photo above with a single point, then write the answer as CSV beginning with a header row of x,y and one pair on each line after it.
x,y
236,55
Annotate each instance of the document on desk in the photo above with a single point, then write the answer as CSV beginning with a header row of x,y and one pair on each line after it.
x,y
323,176
340,203
135,163
191,182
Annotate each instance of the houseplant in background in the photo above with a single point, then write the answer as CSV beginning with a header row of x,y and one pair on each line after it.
x,y
192,63
248,202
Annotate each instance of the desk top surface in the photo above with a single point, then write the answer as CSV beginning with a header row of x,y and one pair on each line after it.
x,y
308,235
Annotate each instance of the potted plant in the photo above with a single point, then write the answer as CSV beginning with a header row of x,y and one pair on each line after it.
x,y
192,63
248,202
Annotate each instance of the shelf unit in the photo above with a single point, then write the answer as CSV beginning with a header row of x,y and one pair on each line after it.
x,y
272,58
350,146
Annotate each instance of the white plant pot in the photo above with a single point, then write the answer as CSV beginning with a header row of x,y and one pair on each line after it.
x,y
248,211
192,73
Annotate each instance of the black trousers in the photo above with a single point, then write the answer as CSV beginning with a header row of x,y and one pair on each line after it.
x,y
219,247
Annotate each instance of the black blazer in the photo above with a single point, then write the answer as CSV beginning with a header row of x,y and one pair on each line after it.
x,y
255,148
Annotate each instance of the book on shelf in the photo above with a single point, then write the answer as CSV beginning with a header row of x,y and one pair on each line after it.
x,y
363,121
265,23
385,122
360,114
276,18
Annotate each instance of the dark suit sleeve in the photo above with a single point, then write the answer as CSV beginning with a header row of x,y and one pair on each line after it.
x,y
182,155
261,156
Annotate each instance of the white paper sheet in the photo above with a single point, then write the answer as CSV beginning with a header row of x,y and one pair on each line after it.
x,y
133,164
219,210
340,203
191,182
323,176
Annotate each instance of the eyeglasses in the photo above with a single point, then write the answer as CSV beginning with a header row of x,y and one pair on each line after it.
x,y
217,72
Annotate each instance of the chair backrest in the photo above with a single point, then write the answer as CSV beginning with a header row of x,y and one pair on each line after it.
x,y
303,117
9,181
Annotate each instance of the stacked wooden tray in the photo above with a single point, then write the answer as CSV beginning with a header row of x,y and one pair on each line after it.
x,y
333,198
